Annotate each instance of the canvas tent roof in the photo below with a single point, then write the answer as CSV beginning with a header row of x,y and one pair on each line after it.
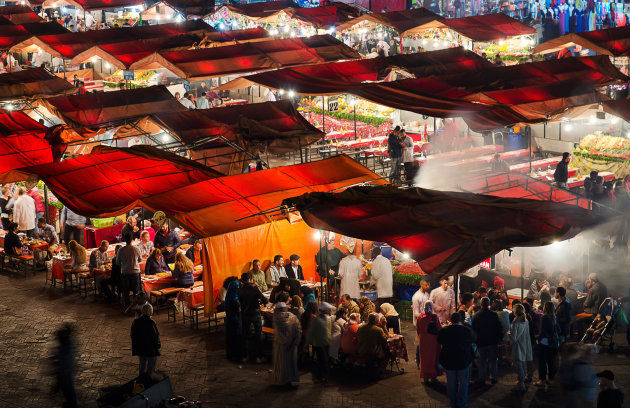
x,y
614,42
10,35
482,28
400,21
248,57
32,83
105,109
256,11
445,232
19,14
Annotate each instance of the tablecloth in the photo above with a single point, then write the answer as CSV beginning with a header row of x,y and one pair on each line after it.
x,y
397,347
191,297
58,264
150,284
573,182
536,164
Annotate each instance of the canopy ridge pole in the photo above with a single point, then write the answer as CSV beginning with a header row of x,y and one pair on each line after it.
x,y
242,150
34,109
142,132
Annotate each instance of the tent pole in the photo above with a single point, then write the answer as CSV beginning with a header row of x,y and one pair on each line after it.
x,y
354,105
560,131
300,146
324,116
46,204
523,275
530,149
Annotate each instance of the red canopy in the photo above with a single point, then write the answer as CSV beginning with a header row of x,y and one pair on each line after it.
x,y
610,41
23,142
103,109
248,57
32,83
340,77
20,14
482,28
70,45
271,127
188,8
111,181
104,4
255,11
446,232
234,203
11,35
400,21
325,16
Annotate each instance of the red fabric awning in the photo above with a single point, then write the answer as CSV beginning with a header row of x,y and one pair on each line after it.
x,y
248,57
340,77
23,142
221,205
255,11
104,4
32,83
610,41
20,14
11,35
70,45
191,8
445,232
111,181
323,17
484,28
400,21
268,127
103,109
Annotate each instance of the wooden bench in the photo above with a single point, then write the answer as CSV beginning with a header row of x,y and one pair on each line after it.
x,y
156,295
216,319
268,330
17,263
193,315
86,283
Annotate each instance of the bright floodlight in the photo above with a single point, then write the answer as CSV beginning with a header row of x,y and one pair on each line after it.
x,y
405,256
291,94
317,235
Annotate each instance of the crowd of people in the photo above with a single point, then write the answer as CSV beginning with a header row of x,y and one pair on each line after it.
x,y
487,327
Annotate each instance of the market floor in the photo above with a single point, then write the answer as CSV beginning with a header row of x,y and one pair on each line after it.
x,y
194,360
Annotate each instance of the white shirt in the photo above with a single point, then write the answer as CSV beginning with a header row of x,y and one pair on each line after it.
x,y
417,303
274,274
443,299
24,213
382,276
350,269
187,103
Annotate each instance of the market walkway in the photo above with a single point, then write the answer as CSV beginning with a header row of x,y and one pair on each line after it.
x,y
195,361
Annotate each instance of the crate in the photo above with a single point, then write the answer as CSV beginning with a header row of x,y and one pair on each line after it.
x,y
102,222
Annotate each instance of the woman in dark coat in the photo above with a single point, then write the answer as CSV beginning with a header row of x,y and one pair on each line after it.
x,y
145,340
233,347
155,263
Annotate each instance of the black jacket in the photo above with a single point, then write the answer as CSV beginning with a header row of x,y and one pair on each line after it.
x,y
127,230
564,316
487,327
251,298
289,270
594,298
394,147
561,175
190,254
457,351
548,330
145,337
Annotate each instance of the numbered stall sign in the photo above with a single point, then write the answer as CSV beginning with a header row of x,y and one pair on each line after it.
x,y
333,104
186,85
128,75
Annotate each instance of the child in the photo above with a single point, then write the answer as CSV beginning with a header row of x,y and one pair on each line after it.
x,y
138,304
594,332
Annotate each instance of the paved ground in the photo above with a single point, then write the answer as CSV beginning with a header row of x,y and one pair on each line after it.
x,y
194,360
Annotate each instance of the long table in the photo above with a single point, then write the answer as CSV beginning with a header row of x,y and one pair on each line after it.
x,y
536,164
154,282
462,154
573,182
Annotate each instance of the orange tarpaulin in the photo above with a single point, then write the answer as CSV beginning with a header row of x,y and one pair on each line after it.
x,y
231,254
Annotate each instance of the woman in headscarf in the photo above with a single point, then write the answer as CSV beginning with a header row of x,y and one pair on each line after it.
x,y
349,336
428,325
391,316
232,322
285,346
366,307
307,295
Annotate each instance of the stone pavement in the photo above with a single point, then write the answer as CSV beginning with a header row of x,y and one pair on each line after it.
x,y
194,360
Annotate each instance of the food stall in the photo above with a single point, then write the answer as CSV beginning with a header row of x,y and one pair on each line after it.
x,y
141,79
602,152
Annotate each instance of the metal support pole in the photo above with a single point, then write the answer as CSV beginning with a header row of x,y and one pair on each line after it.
x,y
559,131
300,145
354,106
46,204
323,115
530,149
523,275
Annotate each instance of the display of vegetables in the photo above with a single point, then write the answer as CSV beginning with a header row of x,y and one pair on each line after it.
x,y
408,273
603,147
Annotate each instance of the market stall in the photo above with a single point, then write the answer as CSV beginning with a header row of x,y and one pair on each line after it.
x,y
235,16
291,22
490,33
